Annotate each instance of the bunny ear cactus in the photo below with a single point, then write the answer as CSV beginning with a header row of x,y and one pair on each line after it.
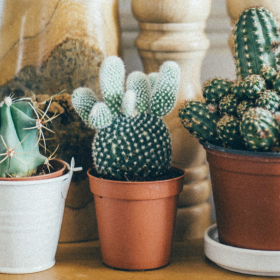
x,y
19,149
132,142
254,37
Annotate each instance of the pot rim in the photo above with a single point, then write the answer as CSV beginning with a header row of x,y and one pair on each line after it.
x,y
129,190
29,179
210,146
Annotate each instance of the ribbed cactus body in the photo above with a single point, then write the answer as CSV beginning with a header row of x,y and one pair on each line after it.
x,y
200,120
133,148
228,104
269,75
236,88
259,129
244,106
228,131
255,33
215,89
252,86
269,100
19,142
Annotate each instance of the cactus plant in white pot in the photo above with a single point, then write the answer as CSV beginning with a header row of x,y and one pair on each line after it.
x,y
135,188
33,189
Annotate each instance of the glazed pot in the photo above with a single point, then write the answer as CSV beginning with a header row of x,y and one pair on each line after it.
x,y
246,192
30,217
136,220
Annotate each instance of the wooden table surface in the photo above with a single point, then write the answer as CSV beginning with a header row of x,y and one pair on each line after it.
x,y
81,261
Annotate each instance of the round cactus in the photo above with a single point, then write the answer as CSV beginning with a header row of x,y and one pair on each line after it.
x,y
132,142
244,106
132,148
254,35
200,120
228,131
269,100
215,89
269,75
236,88
228,104
253,85
259,129
19,149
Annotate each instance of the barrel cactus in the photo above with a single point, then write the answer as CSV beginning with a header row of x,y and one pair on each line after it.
x,y
200,120
259,129
19,143
131,142
215,89
253,85
268,100
254,36
228,104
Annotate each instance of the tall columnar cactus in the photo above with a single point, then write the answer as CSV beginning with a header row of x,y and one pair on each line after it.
x,y
254,36
19,149
132,142
200,120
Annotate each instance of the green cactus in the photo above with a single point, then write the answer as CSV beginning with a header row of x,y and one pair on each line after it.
x,y
236,88
254,35
133,143
19,149
252,86
276,82
259,129
244,106
269,75
200,120
215,89
228,131
269,100
228,104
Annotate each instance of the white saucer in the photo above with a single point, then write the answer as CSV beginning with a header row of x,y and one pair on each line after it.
x,y
247,261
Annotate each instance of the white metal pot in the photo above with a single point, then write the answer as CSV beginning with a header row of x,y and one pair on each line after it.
x,y
30,219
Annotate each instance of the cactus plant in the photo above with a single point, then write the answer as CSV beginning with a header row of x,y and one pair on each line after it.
x,y
19,143
254,36
228,131
269,100
269,75
228,104
132,142
253,85
200,120
236,88
259,129
215,89
244,106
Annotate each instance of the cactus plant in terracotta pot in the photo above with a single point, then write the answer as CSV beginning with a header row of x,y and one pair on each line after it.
x,y
33,188
239,126
135,188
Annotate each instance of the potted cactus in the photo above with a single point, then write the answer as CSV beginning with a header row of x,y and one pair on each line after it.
x,y
33,189
135,188
238,124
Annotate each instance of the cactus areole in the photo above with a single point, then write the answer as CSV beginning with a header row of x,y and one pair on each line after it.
x,y
254,37
131,141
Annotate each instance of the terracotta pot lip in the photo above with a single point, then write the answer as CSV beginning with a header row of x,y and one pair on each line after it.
x,y
234,152
139,182
52,175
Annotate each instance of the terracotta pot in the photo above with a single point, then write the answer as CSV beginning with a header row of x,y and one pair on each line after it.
x,y
246,191
136,221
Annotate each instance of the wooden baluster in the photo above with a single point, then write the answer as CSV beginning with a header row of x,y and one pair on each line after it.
x,y
174,30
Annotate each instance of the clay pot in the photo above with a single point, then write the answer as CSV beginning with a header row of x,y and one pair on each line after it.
x,y
31,211
136,221
246,191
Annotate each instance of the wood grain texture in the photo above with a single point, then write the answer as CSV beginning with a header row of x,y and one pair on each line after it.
x,y
174,30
